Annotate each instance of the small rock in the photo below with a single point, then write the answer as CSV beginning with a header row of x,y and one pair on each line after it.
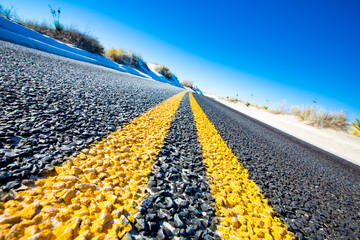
x,y
12,184
141,225
160,234
146,203
178,222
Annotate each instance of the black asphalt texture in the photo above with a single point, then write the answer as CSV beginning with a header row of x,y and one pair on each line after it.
x,y
51,107
314,192
179,201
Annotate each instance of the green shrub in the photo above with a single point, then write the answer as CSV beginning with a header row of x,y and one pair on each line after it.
x,y
266,107
247,104
164,71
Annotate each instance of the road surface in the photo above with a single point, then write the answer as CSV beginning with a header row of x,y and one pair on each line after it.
x,y
91,153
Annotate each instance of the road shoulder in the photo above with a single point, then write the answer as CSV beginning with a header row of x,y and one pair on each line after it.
x,y
338,143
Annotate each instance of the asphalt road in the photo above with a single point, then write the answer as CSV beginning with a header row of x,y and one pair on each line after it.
x,y
53,107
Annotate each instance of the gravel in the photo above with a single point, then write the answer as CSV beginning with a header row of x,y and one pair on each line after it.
x,y
179,202
52,107
315,193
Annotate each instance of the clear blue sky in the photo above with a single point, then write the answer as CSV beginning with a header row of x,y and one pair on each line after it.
x,y
282,51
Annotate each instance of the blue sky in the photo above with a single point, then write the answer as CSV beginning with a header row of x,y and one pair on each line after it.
x,y
277,51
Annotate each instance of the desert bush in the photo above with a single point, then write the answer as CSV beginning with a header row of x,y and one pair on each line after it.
x,y
164,71
81,40
322,119
307,113
43,27
266,107
295,110
127,58
248,104
187,83
356,124
68,35
282,109
114,54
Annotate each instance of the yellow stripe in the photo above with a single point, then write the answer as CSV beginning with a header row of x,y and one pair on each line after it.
x,y
95,193
242,210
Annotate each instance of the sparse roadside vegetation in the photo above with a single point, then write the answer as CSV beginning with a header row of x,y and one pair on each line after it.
x,y
322,119
356,124
313,116
279,110
189,84
163,70
317,117
70,36
235,100
56,18
127,58
59,32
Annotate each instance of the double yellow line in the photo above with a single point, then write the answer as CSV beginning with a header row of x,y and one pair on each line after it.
x,y
96,192
242,210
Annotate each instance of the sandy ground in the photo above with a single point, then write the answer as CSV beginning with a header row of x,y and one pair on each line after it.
x,y
336,142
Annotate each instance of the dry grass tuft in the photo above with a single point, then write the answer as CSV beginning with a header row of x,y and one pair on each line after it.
x,y
295,110
70,36
187,83
127,58
322,119
316,117
279,110
164,71
356,124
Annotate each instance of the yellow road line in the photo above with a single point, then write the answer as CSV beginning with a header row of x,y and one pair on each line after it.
x,y
94,194
242,210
